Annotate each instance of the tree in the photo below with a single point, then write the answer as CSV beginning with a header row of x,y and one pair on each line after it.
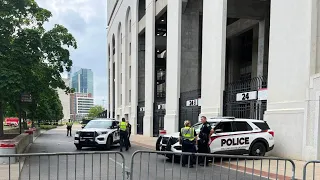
x,y
32,59
95,111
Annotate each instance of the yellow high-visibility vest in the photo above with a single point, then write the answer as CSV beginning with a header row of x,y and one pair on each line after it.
x,y
187,133
123,126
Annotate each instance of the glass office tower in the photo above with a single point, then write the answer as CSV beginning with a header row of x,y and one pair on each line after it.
x,y
82,81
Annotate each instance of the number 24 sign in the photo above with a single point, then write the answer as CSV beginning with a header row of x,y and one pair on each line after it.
x,y
244,96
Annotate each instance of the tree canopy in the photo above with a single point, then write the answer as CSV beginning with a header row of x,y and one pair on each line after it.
x,y
95,111
32,58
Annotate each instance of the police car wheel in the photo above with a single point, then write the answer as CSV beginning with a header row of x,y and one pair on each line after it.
x,y
78,147
258,149
158,143
109,142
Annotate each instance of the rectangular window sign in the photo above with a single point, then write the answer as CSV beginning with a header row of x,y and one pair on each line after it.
x,y
246,96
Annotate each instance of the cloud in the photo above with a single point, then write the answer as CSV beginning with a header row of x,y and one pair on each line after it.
x,y
87,21
74,21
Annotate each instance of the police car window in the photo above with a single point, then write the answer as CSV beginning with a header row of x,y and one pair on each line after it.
x,y
197,127
241,126
224,126
263,126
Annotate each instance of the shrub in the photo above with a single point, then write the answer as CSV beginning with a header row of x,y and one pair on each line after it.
x,y
47,127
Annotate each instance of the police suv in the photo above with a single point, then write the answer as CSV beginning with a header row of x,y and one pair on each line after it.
x,y
101,133
231,136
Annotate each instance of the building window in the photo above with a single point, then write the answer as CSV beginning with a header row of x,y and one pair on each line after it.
x,y
121,78
121,99
129,72
130,25
129,49
129,96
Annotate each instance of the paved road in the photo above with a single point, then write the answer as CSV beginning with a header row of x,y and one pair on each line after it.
x,y
108,166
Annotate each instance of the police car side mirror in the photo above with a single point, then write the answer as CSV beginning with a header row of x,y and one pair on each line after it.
x,y
218,131
82,127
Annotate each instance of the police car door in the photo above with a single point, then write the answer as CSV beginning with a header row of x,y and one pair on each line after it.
x,y
116,134
222,139
242,135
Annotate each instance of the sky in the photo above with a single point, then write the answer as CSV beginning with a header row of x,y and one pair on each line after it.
x,y
87,21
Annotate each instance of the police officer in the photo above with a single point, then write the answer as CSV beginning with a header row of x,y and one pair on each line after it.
x,y
69,127
187,139
129,133
123,134
204,135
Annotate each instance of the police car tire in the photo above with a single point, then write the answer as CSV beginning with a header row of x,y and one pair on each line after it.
x,y
255,147
108,143
158,143
168,148
169,144
78,147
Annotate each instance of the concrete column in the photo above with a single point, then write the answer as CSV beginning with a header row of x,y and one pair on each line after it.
x,y
111,79
233,61
134,70
255,41
290,58
261,48
123,67
213,53
171,119
149,68
258,50
117,76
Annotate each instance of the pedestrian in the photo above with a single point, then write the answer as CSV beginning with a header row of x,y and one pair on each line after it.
x,y
69,127
129,133
187,139
123,134
204,135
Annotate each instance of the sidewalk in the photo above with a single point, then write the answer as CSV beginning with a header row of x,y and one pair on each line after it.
x,y
269,169
13,170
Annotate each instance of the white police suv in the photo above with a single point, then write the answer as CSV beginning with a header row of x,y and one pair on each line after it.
x,y
101,133
232,136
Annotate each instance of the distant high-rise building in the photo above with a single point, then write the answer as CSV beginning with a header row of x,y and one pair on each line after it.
x,y
82,81
80,104
65,101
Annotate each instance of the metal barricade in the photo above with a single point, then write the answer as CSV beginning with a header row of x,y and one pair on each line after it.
x,y
315,167
64,166
168,165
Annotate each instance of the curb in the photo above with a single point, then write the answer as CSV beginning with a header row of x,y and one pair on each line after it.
x,y
256,172
143,145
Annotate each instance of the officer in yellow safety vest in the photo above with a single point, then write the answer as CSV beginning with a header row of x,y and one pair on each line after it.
x,y
123,134
69,127
188,140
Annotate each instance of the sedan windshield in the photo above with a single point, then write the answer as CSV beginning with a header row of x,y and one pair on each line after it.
x,y
99,124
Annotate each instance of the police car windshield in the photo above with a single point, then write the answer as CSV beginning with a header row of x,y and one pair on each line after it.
x,y
198,126
99,124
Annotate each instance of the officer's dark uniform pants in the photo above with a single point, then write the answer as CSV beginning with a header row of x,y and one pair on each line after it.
x,y
128,141
68,130
187,146
123,139
203,148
